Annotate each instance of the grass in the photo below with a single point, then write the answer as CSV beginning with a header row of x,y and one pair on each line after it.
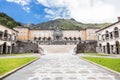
x,y
97,54
8,64
112,63
13,54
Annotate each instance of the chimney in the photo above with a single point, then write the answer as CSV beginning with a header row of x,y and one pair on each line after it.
x,y
118,18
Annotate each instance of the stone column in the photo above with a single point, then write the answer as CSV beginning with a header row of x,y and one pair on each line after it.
x,y
10,49
1,49
3,36
119,32
109,36
8,37
6,49
106,49
102,49
110,49
104,37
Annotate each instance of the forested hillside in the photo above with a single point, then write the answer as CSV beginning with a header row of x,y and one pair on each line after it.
x,y
8,21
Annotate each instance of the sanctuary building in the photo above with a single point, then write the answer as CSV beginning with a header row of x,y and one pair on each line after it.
x,y
109,38
8,39
56,36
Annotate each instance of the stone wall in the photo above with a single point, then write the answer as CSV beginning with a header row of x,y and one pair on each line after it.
x,y
86,46
26,47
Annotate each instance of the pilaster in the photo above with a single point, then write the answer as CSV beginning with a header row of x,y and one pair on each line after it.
x,y
6,49
113,35
1,51
119,32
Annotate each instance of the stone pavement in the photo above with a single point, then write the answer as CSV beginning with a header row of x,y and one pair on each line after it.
x,y
20,56
63,66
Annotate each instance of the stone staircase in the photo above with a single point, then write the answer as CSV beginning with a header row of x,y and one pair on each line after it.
x,y
57,48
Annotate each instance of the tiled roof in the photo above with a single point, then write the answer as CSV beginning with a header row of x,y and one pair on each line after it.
x,y
107,26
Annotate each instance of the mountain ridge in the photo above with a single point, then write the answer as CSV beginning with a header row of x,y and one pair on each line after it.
x,y
67,24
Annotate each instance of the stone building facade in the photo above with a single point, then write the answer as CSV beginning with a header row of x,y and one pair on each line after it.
x,y
53,36
8,39
109,39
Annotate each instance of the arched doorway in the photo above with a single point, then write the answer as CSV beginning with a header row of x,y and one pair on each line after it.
x,y
100,47
57,37
66,38
70,38
108,48
117,47
39,38
75,38
49,38
4,48
79,38
13,48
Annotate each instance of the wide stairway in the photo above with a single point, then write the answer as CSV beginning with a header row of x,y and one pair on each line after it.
x,y
58,48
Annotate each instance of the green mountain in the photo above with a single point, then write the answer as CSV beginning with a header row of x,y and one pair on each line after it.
x,y
67,24
8,21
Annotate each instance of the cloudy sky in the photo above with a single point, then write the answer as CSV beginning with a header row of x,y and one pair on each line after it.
x,y
37,11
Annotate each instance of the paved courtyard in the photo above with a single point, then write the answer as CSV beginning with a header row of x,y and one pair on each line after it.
x,y
62,66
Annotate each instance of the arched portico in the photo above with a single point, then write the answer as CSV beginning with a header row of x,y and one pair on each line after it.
x,y
117,47
13,48
108,48
100,47
4,48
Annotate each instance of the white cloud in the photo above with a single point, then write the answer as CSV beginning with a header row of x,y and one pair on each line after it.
x,y
26,8
23,3
55,13
81,10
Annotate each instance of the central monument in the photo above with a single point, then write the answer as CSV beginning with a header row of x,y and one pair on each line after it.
x,y
57,34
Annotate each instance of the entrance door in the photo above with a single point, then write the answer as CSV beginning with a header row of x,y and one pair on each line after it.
x,y
57,37
4,48
108,48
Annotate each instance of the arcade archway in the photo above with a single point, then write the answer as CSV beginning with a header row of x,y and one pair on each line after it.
x,y
4,48
108,48
117,47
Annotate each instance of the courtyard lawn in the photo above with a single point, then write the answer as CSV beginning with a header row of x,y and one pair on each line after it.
x,y
97,54
20,54
112,63
8,64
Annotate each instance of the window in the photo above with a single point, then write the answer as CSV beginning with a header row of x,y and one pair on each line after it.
x,y
107,35
116,33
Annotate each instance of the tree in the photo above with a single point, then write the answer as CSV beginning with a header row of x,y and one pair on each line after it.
x,y
8,21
